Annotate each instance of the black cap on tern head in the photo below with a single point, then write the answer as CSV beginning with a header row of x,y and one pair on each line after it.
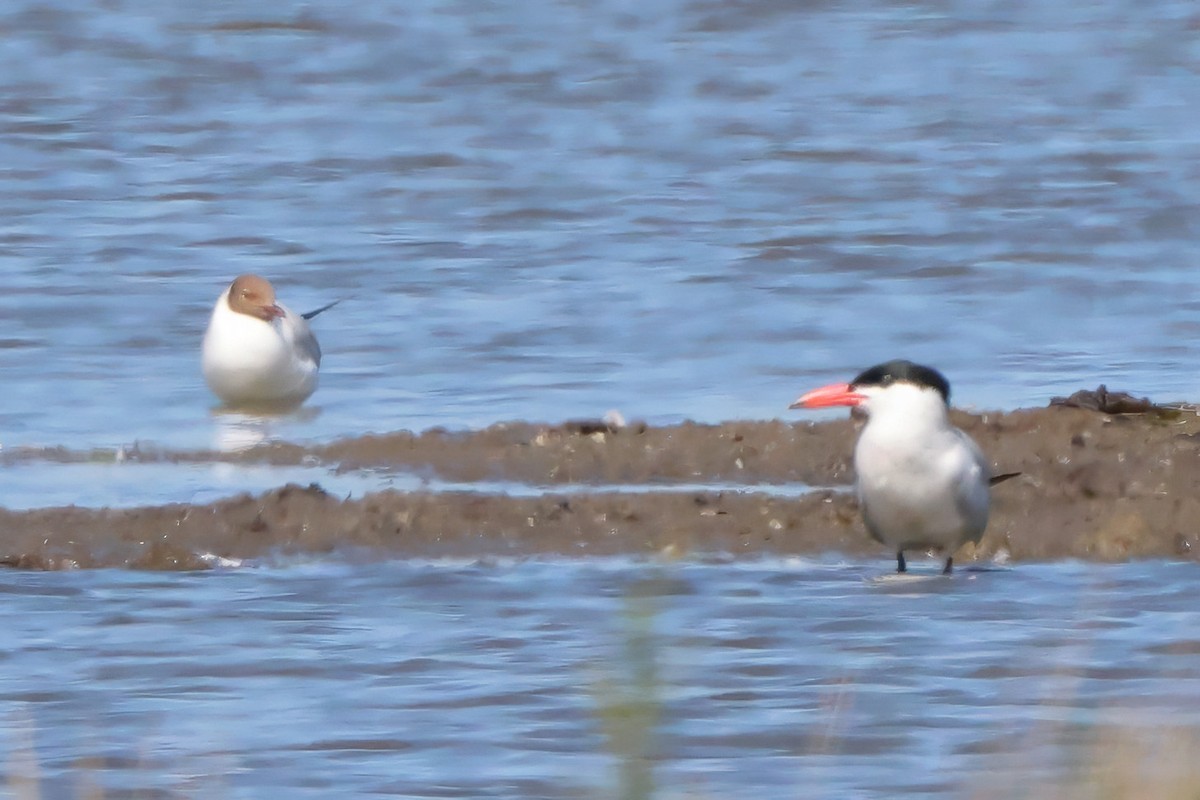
x,y
907,372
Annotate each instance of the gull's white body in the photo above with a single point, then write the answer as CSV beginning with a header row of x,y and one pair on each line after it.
x,y
922,483
251,361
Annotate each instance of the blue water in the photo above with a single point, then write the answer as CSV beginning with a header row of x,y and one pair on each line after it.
x,y
548,210
38,484
542,211
552,678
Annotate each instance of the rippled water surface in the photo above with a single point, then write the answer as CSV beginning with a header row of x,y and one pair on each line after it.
x,y
583,678
109,485
545,210
539,210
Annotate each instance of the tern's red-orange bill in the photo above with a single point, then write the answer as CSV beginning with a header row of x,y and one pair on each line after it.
x,y
835,394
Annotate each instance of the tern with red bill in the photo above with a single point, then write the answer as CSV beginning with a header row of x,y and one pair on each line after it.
x,y
922,483
257,352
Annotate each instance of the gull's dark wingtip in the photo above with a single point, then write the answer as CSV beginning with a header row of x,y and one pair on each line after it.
x,y
311,314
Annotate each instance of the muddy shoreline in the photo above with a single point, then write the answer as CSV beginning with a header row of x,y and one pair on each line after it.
x,y
1093,486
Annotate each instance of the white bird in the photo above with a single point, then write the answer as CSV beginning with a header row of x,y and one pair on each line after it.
x,y
257,351
922,483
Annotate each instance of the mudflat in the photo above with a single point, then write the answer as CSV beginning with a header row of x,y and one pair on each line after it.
x,y
1093,485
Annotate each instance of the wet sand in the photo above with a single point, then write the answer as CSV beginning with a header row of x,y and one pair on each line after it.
x,y
1093,486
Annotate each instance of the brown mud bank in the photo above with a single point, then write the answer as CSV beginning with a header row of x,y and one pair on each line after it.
x,y
1093,485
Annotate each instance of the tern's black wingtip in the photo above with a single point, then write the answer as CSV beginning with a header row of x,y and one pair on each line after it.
x,y
992,481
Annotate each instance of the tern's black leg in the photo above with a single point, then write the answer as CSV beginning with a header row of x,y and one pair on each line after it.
x,y
949,566
901,564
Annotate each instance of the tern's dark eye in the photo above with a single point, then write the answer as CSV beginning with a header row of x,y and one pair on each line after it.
x,y
887,380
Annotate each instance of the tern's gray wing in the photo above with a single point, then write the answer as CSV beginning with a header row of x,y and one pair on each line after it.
x,y
972,494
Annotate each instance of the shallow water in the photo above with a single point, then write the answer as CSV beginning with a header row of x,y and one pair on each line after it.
x,y
546,210
542,211
548,678
33,484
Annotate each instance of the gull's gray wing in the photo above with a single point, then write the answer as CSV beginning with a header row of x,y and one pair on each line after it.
x,y
295,328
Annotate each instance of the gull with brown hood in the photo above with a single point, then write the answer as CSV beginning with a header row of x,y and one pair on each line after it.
x,y
257,352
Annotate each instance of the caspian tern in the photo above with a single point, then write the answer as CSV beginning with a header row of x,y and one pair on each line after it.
x,y
922,483
257,351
